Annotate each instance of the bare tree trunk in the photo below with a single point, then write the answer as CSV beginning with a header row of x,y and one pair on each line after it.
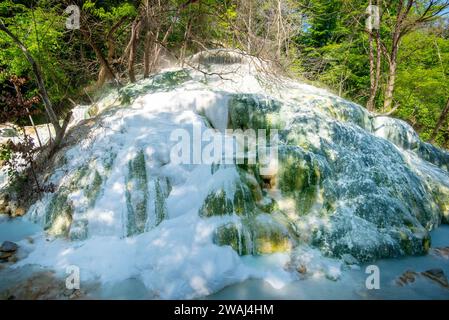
x,y
281,32
441,120
111,48
250,13
279,21
147,55
378,63
40,82
105,69
375,69
392,62
133,48
21,103
402,13
184,45
106,72
148,45
370,103
389,90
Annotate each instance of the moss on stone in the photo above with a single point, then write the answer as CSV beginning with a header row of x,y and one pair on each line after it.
x,y
269,235
216,204
77,177
268,205
59,214
251,178
109,161
243,200
90,181
426,243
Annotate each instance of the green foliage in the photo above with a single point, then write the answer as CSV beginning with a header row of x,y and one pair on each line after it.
x,y
335,52
423,82
42,31
109,12
326,42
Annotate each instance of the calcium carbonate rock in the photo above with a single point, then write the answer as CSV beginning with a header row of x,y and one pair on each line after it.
x,y
351,184
367,200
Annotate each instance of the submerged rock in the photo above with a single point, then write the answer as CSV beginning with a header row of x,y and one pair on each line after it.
x,y
8,246
42,285
8,251
406,278
4,256
441,252
435,275
438,276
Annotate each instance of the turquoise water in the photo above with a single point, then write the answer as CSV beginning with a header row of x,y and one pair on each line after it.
x,y
16,229
351,285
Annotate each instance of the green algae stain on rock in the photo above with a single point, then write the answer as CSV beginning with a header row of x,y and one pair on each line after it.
x,y
271,241
243,200
60,211
413,243
221,202
299,177
161,82
255,229
136,195
254,236
162,189
270,236
93,190
249,111
441,197
235,236
58,216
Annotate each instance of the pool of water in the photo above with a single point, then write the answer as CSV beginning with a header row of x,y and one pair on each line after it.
x,y
16,229
351,285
